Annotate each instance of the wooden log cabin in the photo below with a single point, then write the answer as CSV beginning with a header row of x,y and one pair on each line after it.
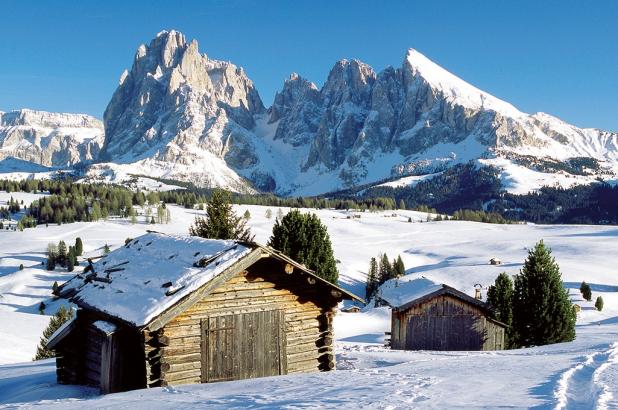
x,y
171,310
439,317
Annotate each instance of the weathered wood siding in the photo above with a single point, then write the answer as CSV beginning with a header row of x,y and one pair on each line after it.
x,y
445,323
174,353
90,357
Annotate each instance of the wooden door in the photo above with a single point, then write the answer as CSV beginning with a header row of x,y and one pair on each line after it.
x,y
243,346
110,364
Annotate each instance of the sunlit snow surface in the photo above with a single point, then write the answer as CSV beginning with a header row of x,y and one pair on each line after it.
x,y
580,374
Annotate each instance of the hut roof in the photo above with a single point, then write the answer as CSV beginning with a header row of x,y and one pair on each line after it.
x,y
399,292
154,272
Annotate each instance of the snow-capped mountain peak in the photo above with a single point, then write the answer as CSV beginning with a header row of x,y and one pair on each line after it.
x,y
179,114
454,88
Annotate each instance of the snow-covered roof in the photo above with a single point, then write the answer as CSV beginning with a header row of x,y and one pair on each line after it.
x,y
151,273
139,281
399,292
402,295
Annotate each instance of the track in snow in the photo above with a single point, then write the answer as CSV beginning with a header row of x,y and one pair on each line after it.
x,y
582,386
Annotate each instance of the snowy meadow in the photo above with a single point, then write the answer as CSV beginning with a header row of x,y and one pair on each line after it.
x,y
579,374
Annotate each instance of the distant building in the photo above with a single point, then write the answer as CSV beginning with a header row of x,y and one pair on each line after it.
x,y
439,317
351,309
171,310
495,261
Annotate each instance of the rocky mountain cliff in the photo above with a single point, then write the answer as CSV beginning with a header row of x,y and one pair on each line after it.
x,y
180,115
50,139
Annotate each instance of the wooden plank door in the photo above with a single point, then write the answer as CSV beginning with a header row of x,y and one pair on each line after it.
x,y
243,346
110,364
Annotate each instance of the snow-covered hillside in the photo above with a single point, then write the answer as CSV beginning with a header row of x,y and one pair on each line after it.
x,y
581,373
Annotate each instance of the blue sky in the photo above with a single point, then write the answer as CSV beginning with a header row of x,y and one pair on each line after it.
x,y
559,57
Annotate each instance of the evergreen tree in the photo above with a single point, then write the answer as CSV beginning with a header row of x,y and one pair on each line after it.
x,y
62,253
42,308
60,317
132,215
500,300
372,279
96,212
398,267
70,261
106,249
402,204
599,303
542,311
220,221
269,213
55,287
152,220
79,247
247,215
586,291
385,270
305,239
280,213
52,253
21,266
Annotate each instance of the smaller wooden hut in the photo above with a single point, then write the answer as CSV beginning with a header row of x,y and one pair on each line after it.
x,y
439,317
170,310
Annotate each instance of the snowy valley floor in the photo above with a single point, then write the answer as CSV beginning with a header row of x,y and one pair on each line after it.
x,y
580,374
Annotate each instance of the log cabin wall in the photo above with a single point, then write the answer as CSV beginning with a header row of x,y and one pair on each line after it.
x,y
174,353
84,356
445,323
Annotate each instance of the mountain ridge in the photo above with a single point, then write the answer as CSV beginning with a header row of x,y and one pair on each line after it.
x,y
177,114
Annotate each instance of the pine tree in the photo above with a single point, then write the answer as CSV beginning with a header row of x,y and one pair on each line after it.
x,y
95,214
542,311
385,270
62,253
79,247
599,303
500,300
247,215
402,204
305,239
52,253
60,317
21,266
70,261
220,221
55,287
372,279
586,291
106,249
42,307
269,213
399,268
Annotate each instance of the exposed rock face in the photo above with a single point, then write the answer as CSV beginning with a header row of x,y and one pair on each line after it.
x,y
178,106
50,139
178,114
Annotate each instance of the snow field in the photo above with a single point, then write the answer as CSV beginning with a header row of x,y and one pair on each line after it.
x,y
567,375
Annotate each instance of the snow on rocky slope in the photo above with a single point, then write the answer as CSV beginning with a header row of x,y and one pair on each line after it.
x,y
569,375
49,139
179,114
